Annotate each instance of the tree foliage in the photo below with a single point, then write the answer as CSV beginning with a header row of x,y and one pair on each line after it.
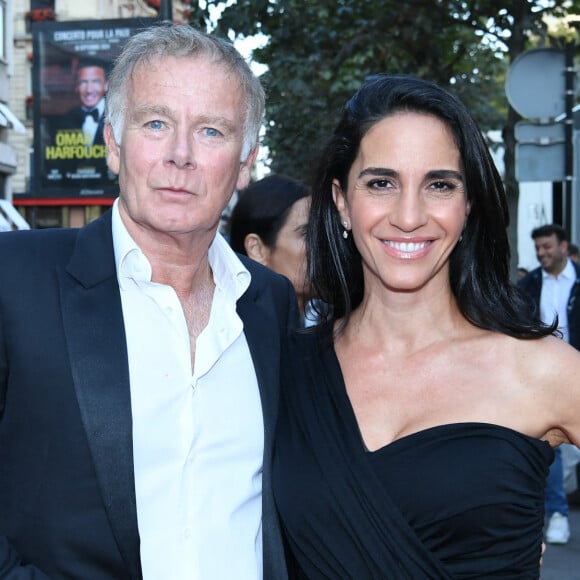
x,y
318,54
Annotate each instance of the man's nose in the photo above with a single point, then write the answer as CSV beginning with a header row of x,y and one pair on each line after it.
x,y
181,153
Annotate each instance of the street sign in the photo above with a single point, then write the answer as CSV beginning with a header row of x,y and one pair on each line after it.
x,y
536,84
540,133
535,162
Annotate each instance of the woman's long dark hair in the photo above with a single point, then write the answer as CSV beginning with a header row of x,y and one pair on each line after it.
x,y
479,264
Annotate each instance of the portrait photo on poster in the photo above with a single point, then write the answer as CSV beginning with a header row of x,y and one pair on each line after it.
x,y
70,77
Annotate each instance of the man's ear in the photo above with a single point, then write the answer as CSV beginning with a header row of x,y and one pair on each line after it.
x,y
257,249
113,154
246,168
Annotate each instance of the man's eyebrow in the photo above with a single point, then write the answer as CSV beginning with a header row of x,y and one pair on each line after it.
x,y
162,110
143,110
220,121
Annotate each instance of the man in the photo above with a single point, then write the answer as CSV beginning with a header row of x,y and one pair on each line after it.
x,y
139,356
89,115
555,289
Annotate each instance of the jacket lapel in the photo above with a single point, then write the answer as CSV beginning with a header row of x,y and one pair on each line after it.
x,y
256,310
265,348
93,322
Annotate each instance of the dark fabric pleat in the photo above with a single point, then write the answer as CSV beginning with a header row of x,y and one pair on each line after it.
x,y
318,451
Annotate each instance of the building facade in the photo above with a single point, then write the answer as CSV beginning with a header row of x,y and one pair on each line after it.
x,y
25,189
12,130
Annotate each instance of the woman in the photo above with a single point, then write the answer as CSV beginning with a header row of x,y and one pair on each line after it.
x,y
268,224
417,424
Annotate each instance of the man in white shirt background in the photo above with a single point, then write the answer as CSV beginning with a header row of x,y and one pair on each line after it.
x,y
555,289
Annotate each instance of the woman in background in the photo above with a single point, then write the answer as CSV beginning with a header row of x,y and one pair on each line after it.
x,y
268,224
417,423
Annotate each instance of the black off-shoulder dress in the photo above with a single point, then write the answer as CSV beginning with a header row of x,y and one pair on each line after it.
x,y
462,500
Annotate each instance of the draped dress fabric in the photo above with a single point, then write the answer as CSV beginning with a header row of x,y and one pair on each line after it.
x,y
462,500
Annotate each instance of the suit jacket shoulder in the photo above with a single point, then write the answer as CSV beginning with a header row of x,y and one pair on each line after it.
x,y
276,287
65,405
531,284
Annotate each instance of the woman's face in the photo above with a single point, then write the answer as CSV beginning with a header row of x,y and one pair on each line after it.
x,y
288,255
405,202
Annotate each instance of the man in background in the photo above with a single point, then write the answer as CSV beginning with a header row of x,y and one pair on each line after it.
x,y
555,289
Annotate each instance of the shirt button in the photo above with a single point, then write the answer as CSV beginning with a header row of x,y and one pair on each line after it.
x,y
187,533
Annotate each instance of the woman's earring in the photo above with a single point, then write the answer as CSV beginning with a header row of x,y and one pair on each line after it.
x,y
345,231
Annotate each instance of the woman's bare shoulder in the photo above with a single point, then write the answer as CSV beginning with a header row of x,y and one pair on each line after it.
x,y
550,368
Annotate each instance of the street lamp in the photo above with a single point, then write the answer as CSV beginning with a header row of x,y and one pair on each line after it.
x,y
166,10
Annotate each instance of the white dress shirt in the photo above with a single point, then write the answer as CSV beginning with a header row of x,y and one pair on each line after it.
x,y
554,298
90,125
198,438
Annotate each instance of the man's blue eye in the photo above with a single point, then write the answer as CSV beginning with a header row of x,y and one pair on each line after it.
x,y
210,132
155,124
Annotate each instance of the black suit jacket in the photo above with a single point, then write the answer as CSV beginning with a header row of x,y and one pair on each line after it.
x,y
67,494
74,119
531,283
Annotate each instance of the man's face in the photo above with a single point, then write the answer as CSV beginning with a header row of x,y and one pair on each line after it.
x,y
179,157
551,253
91,85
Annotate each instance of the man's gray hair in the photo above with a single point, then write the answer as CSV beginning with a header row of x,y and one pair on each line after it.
x,y
182,40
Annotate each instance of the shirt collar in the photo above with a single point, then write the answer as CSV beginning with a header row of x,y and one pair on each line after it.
x,y
229,273
130,261
568,273
100,107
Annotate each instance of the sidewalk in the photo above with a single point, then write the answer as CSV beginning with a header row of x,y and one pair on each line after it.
x,y
563,562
